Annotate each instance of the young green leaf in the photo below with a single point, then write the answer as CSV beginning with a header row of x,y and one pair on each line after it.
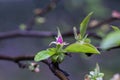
x,y
44,54
111,40
61,57
54,58
75,33
82,48
83,25
58,57
115,28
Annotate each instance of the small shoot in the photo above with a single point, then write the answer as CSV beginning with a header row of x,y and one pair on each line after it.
x,y
96,74
82,44
55,54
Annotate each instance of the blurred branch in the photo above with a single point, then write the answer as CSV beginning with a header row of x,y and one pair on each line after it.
x,y
116,47
41,12
48,8
106,21
57,72
20,33
112,48
39,34
16,59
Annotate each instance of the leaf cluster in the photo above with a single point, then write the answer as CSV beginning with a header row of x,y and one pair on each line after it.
x,y
81,45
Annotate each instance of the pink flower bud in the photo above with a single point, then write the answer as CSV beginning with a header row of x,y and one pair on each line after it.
x,y
34,67
37,70
59,40
116,14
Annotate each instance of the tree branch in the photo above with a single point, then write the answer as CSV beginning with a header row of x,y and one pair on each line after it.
x,y
116,47
20,33
38,34
17,60
57,72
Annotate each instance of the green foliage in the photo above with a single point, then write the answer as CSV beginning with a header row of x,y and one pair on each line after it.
x,y
82,44
83,25
111,40
81,48
44,54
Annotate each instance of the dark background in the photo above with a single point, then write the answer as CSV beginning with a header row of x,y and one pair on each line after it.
x,y
68,13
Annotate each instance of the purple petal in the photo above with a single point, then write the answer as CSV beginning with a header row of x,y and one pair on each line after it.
x,y
59,39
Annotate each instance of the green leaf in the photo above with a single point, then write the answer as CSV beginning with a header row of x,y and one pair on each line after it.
x,y
115,28
83,25
44,54
111,40
81,48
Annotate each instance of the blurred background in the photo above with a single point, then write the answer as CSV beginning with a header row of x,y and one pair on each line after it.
x,y
68,13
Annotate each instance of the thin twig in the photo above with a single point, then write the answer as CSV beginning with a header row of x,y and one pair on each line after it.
x,y
41,12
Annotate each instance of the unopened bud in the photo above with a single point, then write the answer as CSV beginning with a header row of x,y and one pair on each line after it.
x,y
34,67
